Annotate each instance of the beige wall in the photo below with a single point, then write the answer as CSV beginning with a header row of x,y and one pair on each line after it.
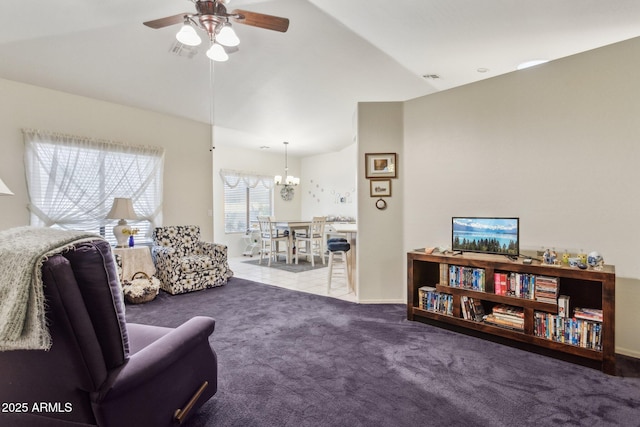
x,y
325,177
556,145
380,250
187,172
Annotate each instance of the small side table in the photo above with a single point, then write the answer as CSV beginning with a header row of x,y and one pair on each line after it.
x,y
134,260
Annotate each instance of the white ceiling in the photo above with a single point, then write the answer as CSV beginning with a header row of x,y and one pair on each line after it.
x,y
301,86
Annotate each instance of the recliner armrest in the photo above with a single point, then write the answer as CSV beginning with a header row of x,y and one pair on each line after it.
x,y
152,360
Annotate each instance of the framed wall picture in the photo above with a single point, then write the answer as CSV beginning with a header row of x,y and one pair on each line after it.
x,y
380,188
380,165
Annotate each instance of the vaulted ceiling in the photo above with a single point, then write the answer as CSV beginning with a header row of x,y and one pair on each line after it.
x,y
300,86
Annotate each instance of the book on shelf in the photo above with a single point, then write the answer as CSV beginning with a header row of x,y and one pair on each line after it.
x,y
593,314
493,320
422,295
521,285
500,283
509,310
563,305
432,300
546,289
471,309
478,310
506,316
464,307
444,274
466,277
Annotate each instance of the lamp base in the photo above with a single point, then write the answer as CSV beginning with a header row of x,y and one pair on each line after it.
x,y
121,238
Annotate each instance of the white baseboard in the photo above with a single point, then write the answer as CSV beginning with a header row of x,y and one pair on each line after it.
x,y
382,301
627,352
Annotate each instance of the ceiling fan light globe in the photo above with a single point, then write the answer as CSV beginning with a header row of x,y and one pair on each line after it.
x,y
187,35
227,37
216,53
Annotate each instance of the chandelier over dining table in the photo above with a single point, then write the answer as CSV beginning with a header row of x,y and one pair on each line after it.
x,y
286,181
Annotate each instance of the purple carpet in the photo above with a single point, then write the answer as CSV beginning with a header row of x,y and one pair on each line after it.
x,y
288,358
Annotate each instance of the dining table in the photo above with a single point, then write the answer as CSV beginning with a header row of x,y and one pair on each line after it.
x,y
291,226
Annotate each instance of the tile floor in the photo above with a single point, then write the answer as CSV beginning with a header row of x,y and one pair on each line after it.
x,y
314,281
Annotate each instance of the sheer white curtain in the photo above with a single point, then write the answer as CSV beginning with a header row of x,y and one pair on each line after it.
x,y
72,181
233,178
246,196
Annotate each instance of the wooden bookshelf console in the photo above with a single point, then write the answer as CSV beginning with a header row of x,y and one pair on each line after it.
x,y
586,288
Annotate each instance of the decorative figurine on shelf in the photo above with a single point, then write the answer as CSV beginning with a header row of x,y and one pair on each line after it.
x,y
131,232
595,260
549,257
574,261
583,256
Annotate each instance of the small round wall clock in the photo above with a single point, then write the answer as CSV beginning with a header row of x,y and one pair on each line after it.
x,y
381,204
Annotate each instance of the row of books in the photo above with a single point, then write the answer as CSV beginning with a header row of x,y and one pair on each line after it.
x,y
467,277
432,300
506,316
472,309
546,289
568,330
514,284
529,286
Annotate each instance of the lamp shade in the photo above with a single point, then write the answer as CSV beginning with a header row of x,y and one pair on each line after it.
x,y
4,190
122,209
188,35
217,53
227,36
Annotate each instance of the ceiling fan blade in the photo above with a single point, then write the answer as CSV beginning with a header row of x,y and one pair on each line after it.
x,y
165,22
261,20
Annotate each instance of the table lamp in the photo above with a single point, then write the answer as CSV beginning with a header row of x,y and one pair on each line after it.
x,y
4,190
122,209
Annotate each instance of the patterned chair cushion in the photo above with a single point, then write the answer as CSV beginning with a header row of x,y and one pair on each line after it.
x,y
193,263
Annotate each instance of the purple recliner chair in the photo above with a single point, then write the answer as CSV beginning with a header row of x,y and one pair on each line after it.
x,y
101,370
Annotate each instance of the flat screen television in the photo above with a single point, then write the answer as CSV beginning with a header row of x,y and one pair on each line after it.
x,y
486,235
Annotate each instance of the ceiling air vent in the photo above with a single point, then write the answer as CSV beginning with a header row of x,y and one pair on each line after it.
x,y
180,49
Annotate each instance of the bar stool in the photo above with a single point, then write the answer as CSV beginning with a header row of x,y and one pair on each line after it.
x,y
338,248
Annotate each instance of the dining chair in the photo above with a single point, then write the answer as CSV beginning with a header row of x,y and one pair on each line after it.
x,y
270,240
313,239
338,257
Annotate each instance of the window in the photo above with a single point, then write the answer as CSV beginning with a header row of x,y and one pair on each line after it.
x,y
245,197
72,182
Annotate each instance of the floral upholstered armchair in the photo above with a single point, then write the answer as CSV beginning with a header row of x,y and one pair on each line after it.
x,y
186,264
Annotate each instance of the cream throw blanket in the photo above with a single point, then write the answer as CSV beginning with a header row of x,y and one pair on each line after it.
x,y
23,250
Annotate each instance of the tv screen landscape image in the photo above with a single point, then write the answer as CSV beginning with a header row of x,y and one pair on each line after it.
x,y
486,235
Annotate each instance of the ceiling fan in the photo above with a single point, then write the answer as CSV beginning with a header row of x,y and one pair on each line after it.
x,y
213,18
